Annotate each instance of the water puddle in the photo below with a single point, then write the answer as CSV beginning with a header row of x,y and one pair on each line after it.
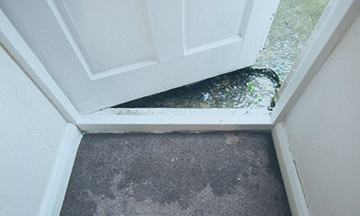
x,y
293,23
254,87
244,88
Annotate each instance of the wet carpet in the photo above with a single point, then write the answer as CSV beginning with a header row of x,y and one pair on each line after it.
x,y
217,173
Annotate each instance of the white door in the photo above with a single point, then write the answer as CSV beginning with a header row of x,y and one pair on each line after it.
x,y
105,52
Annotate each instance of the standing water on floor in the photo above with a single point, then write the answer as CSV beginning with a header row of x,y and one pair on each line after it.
x,y
255,87
245,88
293,23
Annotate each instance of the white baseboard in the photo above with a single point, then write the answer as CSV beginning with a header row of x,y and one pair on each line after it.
x,y
289,173
58,181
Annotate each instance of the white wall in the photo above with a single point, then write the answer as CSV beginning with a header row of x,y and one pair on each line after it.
x,y
31,131
323,131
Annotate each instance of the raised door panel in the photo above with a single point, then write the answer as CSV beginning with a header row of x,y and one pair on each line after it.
x,y
214,23
109,34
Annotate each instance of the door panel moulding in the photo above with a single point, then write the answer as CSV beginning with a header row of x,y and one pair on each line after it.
x,y
60,176
337,17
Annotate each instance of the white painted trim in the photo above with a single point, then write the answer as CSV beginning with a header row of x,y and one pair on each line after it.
x,y
338,16
23,55
294,191
167,120
58,181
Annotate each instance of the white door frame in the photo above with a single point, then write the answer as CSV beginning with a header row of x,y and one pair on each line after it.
x,y
337,17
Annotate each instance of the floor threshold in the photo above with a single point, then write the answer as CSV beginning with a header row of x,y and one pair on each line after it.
x,y
174,119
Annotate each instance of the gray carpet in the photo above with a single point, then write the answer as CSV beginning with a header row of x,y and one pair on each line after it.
x,y
218,173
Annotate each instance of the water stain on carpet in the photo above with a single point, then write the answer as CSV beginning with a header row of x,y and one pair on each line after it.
x,y
218,173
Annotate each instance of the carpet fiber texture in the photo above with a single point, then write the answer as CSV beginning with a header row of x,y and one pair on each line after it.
x,y
217,173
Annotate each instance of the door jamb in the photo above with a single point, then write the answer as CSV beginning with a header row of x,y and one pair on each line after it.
x,y
339,15
31,65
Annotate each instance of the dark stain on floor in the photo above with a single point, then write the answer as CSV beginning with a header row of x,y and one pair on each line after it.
x,y
217,173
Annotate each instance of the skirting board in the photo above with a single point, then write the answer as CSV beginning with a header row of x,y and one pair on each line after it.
x,y
289,173
58,181
169,120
